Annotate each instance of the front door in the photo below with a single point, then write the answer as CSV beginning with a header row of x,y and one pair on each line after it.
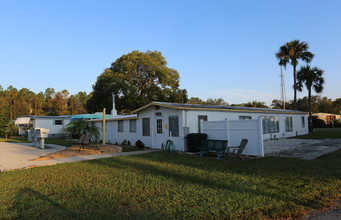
x,y
159,133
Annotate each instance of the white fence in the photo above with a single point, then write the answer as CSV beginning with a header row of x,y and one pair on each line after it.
x,y
236,130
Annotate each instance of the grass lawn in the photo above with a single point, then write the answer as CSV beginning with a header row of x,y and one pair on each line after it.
x,y
58,141
15,140
159,185
322,133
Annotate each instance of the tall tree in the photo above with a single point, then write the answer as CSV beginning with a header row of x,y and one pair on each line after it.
x,y
24,102
12,93
195,100
292,52
326,105
136,79
219,101
256,104
311,78
3,100
39,102
82,99
72,105
60,102
49,96
337,105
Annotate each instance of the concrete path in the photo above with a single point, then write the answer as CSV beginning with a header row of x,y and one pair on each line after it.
x,y
18,155
301,148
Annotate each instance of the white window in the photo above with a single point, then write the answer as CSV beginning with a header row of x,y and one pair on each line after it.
x,y
174,126
145,127
159,126
270,124
245,117
303,122
132,123
288,124
58,122
120,126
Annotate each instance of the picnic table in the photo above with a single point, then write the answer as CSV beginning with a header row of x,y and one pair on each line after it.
x,y
218,146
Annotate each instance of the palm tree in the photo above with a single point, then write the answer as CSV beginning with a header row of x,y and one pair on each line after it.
x,y
311,78
77,128
292,52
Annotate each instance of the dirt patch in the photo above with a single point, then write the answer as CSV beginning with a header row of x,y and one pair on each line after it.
x,y
74,152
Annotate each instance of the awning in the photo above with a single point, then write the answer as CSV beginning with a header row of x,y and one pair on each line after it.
x,y
22,121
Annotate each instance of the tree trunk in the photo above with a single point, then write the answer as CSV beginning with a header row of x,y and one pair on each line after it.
x,y
309,105
295,89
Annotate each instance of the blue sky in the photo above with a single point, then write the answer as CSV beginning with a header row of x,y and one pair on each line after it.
x,y
222,49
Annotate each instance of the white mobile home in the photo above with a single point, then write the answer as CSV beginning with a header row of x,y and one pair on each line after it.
x,y
53,123
158,122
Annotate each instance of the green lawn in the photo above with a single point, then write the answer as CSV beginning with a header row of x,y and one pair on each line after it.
x,y
322,133
166,186
58,141
15,140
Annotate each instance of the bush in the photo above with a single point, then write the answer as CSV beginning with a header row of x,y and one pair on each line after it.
x,y
124,142
337,124
318,123
139,144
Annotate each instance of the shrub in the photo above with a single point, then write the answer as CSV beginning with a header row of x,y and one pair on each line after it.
x,y
139,144
124,142
337,124
318,123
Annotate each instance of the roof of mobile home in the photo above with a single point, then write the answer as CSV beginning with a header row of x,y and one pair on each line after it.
x,y
217,108
26,119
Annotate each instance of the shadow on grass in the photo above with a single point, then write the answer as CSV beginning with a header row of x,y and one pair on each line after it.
x,y
280,179
31,204
142,165
325,166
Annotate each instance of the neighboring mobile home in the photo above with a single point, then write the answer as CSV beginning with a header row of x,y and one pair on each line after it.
x,y
158,122
53,123
328,118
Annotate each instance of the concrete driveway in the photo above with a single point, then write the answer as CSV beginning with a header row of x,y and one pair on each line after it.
x,y
301,148
18,155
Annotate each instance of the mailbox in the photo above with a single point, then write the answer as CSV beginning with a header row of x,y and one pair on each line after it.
x,y
38,136
41,133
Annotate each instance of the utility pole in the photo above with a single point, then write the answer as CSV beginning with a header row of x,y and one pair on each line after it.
x,y
283,88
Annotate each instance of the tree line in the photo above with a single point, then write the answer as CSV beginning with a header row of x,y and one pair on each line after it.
x,y
15,103
136,79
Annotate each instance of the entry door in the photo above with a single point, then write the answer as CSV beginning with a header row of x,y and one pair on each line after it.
x,y
159,132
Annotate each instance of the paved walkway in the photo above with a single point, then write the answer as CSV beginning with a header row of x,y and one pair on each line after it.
x,y
301,148
18,155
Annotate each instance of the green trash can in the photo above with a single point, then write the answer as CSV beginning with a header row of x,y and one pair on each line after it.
x,y
195,140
